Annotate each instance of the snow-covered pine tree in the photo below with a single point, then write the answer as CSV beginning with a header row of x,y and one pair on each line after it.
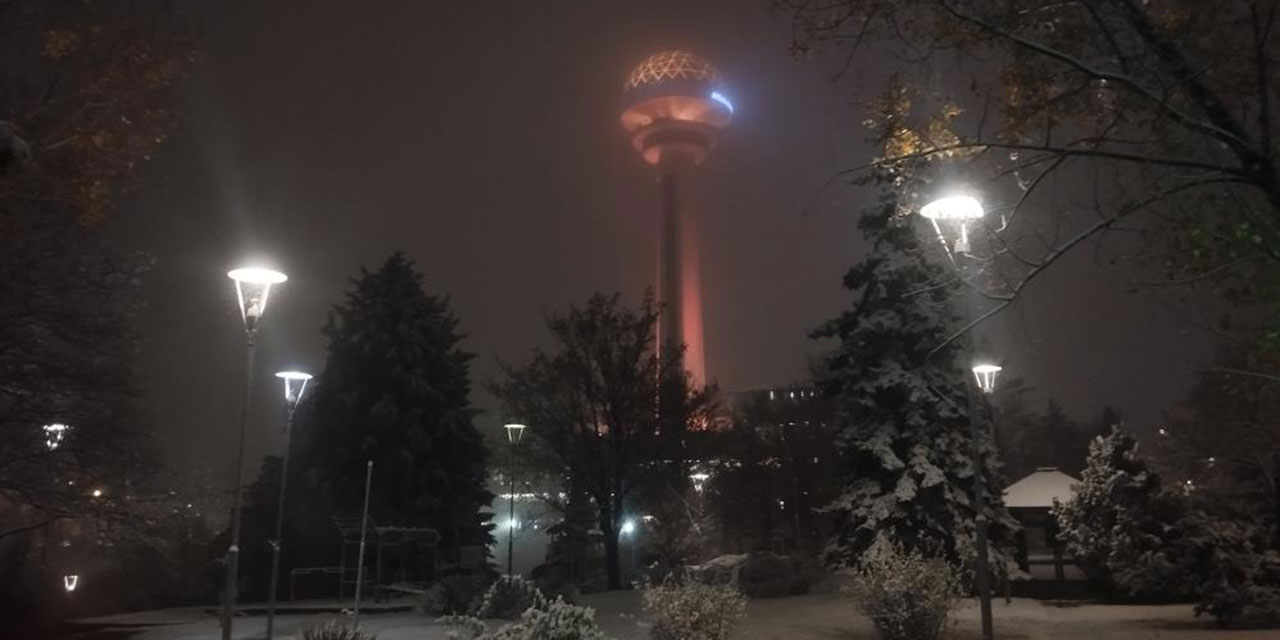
x,y
395,390
1120,521
903,429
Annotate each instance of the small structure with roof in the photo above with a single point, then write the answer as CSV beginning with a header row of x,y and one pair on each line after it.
x,y
1041,555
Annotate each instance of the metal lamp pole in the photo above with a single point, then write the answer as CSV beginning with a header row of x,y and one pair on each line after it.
x,y
295,383
962,209
514,433
253,286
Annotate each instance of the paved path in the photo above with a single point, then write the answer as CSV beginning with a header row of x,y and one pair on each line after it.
x,y
813,617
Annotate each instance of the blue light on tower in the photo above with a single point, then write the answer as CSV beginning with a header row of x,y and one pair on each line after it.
x,y
719,97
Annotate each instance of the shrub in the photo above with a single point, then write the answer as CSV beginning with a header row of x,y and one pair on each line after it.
x,y
508,598
688,610
332,630
769,575
455,595
554,620
1231,565
907,595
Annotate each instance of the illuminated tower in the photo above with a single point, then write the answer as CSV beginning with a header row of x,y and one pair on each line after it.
x,y
675,109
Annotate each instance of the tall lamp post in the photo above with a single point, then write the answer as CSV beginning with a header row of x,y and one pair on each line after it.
x,y
959,211
253,288
295,383
514,433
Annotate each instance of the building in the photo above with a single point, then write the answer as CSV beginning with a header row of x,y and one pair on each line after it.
x,y
674,111
1041,555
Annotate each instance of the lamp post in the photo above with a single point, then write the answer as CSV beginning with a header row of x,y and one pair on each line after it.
x,y
514,433
295,383
960,211
253,288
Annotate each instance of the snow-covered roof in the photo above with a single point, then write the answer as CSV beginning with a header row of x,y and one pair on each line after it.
x,y
1040,488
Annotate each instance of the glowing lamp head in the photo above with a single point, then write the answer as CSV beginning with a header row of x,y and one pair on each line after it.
x,y
253,287
628,527
295,383
953,208
54,435
699,480
70,582
985,374
959,209
674,107
514,432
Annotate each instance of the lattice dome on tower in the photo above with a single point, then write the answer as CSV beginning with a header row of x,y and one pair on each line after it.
x,y
671,65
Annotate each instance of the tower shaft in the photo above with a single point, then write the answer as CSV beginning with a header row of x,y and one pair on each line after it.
x,y
679,277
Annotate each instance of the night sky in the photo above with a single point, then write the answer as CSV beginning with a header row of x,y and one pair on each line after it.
x,y
482,139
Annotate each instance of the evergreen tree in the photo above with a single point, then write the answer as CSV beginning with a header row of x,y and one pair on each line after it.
x,y
394,390
1117,525
902,424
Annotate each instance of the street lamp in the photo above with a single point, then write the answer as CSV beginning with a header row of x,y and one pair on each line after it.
x,y
699,480
514,432
253,289
54,434
295,383
985,375
961,210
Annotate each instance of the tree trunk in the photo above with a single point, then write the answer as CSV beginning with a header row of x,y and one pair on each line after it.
x,y
611,558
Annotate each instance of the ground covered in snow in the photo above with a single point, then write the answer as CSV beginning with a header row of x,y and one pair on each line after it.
x,y
813,617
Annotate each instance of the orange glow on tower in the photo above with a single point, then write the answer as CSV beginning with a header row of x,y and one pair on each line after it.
x,y
675,111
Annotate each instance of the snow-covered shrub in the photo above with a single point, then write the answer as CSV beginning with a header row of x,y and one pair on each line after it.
x,y
554,620
508,598
1231,566
332,630
689,610
907,595
455,595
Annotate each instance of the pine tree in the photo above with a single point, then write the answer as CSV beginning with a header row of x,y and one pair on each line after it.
x,y
902,426
394,390
1119,522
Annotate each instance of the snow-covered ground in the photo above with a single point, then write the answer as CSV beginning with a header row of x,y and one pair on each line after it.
x,y
813,617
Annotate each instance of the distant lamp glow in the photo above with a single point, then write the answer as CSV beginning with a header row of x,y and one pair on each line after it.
x,y
97,493
70,582
295,383
513,524
719,97
514,432
699,480
253,287
986,376
628,527
53,435
961,209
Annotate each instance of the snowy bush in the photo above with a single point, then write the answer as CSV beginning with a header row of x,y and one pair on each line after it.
x,y
554,620
454,595
688,610
907,595
332,630
1231,565
508,598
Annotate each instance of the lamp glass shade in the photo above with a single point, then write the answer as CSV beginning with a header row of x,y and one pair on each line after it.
x,y
514,432
985,374
953,208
